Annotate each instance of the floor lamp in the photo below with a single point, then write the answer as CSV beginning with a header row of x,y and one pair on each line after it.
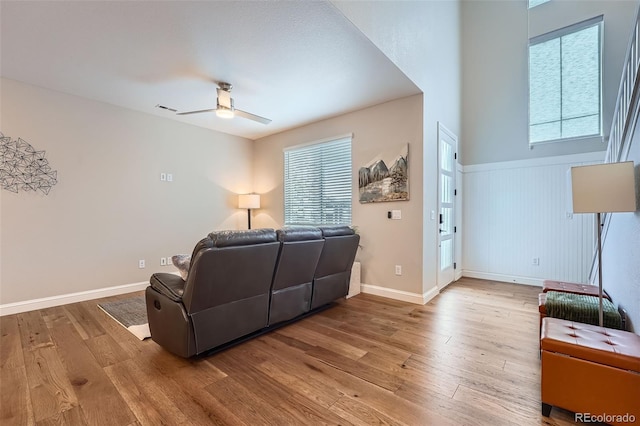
x,y
249,201
603,188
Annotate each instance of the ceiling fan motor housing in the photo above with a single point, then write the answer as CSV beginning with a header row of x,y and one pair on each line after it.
x,y
225,86
224,100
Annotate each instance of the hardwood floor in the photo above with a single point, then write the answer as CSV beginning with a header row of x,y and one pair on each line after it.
x,y
468,357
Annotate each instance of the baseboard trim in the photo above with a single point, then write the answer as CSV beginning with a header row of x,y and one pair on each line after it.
x,y
63,299
503,278
404,296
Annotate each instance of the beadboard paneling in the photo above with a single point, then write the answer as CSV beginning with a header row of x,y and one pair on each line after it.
x,y
517,211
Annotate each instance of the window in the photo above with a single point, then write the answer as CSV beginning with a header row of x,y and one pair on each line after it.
x,y
534,3
317,183
565,68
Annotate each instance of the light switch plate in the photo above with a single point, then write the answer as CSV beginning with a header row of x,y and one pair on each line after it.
x,y
396,214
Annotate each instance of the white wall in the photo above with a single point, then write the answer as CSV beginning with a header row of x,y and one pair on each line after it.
x,y
378,130
495,72
621,251
423,39
517,211
109,208
514,205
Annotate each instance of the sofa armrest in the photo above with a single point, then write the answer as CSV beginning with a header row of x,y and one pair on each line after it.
x,y
170,285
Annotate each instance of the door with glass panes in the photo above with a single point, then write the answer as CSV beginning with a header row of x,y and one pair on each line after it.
x,y
447,156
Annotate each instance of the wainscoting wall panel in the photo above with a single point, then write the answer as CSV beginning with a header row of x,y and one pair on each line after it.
x,y
517,225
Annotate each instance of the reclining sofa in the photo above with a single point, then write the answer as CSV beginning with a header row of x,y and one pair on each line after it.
x,y
244,283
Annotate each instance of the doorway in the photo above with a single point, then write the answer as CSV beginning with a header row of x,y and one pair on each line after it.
x,y
447,168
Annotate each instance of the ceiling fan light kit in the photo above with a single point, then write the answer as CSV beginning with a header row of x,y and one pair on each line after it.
x,y
223,112
224,107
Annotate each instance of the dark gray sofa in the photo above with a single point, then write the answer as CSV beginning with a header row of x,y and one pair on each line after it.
x,y
242,283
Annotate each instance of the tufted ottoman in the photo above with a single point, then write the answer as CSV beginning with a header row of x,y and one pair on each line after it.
x,y
590,370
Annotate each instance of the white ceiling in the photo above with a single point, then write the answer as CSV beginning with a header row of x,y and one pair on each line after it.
x,y
294,62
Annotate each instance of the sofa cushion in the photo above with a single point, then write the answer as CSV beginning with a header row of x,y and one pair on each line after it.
x,y
170,285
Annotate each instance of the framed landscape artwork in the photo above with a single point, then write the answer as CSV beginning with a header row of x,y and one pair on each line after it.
x,y
385,179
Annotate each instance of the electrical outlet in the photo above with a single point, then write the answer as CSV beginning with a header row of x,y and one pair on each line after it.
x,y
398,269
169,177
141,263
163,261
396,214
169,262
536,261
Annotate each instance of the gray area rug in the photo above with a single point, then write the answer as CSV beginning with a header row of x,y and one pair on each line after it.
x,y
130,313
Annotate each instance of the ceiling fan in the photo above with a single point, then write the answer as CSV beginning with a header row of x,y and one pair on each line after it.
x,y
225,108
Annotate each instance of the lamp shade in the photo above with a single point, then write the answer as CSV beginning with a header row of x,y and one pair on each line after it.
x,y
249,201
603,188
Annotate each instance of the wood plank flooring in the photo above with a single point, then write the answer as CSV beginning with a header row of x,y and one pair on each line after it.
x,y
468,357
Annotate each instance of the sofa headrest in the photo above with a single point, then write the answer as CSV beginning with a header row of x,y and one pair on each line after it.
x,y
336,230
299,233
204,243
242,238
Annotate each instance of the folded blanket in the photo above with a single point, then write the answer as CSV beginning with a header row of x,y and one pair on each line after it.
x,y
582,308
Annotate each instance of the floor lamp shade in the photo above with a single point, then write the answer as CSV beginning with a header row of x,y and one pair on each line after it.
x,y
249,201
603,188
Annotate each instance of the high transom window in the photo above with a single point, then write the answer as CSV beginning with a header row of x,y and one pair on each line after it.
x,y
565,69
534,3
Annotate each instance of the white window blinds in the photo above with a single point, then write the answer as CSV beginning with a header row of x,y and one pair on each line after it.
x,y
565,83
317,183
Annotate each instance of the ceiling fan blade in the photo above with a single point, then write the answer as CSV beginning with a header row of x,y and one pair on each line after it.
x,y
196,112
167,108
253,117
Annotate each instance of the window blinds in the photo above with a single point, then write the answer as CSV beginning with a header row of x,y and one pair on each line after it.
x,y
317,183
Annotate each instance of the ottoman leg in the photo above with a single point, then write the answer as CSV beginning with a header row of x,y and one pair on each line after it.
x,y
546,409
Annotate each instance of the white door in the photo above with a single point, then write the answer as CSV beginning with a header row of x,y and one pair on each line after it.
x,y
447,156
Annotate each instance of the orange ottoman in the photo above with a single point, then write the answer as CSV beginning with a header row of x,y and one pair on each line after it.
x,y
542,307
577,288
590,370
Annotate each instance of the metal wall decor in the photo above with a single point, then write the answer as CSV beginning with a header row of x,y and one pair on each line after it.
x,y
24,168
